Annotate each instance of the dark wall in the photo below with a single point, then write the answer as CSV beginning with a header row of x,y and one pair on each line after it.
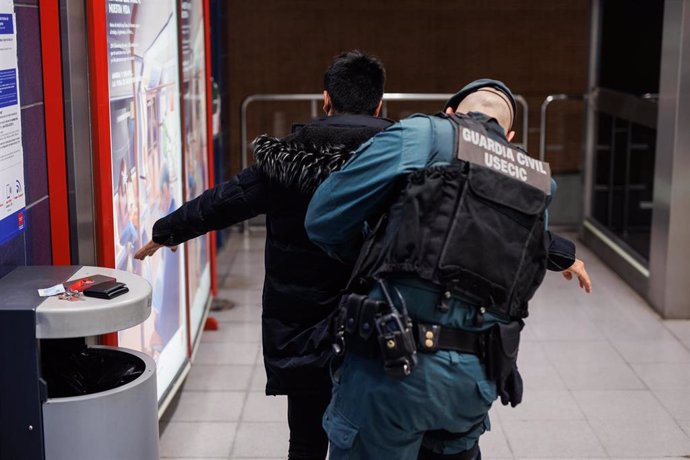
x,y
630,48
537,47
33,246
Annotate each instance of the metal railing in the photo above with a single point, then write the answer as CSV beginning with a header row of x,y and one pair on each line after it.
x,y
542,120
640,109
314,99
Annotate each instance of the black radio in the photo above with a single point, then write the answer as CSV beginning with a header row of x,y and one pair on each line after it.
x,y
396,336
377,329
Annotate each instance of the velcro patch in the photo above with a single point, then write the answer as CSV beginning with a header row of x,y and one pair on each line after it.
x,y
478,148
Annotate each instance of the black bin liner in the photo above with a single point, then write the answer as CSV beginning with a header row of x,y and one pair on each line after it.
x,y
72,369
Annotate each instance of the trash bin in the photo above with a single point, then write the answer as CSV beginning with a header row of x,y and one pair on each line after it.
x,y
68,400
115,423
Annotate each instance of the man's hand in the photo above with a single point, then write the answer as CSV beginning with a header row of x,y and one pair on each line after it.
x,y
578,269
150,249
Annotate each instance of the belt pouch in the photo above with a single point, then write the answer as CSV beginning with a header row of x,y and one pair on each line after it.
x,y
359,334
367,317
502,344
352,305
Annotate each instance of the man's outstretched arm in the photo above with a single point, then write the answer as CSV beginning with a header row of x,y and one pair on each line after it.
x,y
241,198
561,258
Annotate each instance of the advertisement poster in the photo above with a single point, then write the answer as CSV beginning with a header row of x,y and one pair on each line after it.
x,y
145,130
12,197
192,36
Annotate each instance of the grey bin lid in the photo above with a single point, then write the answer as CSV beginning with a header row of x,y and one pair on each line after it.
x,y
61,319
56,319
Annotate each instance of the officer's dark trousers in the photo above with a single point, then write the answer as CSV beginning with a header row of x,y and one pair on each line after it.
x,y
374,416
308,440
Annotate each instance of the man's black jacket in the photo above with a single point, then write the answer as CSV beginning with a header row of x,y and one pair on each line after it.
x,y
302,284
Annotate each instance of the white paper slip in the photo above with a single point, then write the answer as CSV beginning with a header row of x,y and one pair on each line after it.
x,y
53,290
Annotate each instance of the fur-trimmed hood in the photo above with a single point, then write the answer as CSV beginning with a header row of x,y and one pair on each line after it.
x,y
305,158
297,165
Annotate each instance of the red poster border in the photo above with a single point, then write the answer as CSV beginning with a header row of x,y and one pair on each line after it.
x,y
100,135
100,138
53,106
209,147
209,135
183,143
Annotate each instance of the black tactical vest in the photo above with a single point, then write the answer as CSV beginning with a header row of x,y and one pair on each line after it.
x,y
474,227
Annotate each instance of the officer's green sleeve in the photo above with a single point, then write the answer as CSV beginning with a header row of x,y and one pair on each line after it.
x,y
365,185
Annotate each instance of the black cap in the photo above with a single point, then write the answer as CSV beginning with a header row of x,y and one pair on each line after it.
x,y
454,101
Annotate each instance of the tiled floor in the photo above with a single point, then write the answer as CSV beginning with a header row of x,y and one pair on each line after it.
x,y
604,377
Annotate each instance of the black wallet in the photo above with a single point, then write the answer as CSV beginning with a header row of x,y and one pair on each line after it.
x,y
106,290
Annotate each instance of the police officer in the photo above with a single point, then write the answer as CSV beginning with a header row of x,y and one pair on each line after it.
x,y
441,285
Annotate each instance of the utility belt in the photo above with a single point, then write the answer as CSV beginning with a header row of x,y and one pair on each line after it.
x,y
377,329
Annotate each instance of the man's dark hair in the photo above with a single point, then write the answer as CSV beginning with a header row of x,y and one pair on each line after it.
x,y
354,82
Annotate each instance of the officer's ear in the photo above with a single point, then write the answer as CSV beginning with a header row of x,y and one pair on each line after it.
x,y
377,112
510,135
450,111
327,102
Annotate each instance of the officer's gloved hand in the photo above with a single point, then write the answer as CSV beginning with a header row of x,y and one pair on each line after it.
x,y
510,389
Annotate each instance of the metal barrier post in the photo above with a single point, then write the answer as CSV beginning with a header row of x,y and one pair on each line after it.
x,y
542,121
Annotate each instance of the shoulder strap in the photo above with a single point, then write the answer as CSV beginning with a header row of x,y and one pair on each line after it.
x,y
362,274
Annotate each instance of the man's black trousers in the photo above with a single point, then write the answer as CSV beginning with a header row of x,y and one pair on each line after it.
x,y
308,440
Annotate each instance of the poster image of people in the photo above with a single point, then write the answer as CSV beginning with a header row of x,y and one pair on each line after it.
x,y
147,167
196,149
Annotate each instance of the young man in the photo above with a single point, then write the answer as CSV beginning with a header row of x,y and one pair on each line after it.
x,y
302,285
